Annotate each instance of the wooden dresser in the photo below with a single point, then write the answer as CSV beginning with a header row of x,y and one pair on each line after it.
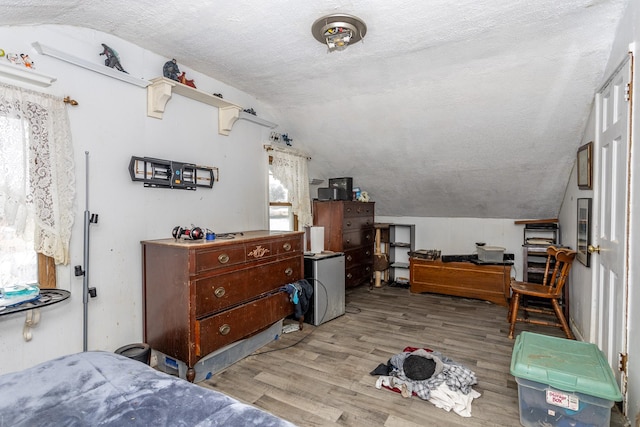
x,y
463,279
201,295
348,228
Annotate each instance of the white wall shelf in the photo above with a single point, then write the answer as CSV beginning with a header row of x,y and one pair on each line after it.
x,y
24,74
161,89
98,68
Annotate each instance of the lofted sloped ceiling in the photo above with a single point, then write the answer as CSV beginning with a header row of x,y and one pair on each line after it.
x,y
464,108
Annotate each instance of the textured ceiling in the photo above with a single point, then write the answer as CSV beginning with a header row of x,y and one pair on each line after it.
x,y
466,108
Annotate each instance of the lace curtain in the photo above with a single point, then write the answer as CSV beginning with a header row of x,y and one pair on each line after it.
x,y
290,168
37,169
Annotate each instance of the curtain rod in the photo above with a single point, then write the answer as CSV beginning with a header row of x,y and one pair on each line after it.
x,y
288,150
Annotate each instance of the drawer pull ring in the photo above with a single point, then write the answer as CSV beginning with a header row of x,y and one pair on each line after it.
x,y
223,258
349,258
219,292
288,271
225,329
349,275
287,246
348,223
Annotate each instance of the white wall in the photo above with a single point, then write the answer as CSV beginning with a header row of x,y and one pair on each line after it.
x,y
111,123
582,305
458,236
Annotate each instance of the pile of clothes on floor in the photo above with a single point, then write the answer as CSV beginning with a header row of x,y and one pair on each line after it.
x,y
431,376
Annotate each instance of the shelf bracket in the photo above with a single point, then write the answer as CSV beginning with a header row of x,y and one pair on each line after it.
x,y
32,320
158,94
227,116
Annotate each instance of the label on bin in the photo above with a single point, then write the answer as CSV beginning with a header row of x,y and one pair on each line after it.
x,y
564,400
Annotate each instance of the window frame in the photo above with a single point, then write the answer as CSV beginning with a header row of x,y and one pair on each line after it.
x,y
46,272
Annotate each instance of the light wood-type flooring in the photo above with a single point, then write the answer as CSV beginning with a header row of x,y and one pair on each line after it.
x,y
320,376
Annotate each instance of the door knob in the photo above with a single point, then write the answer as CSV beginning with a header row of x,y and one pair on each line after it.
x,y
593,249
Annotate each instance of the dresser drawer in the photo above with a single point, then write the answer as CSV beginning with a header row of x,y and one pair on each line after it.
x,y
358,209
219,258
216,331
357,238
363,255
287,246
356,223
217,293
357,274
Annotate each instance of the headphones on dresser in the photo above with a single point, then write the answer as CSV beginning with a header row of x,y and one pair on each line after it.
x,y
195,233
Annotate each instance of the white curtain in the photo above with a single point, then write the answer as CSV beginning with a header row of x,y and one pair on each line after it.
x,y
290,168
37,168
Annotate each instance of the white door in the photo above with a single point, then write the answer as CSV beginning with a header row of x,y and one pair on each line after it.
x,y
610,214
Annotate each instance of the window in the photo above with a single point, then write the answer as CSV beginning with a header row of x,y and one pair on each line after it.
x,y
289,189
36,186
19,262
281,217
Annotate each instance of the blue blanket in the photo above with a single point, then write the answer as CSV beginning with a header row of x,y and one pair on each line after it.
x,y
106,389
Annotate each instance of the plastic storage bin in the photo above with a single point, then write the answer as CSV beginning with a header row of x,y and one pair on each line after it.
x,y
490,253
562,382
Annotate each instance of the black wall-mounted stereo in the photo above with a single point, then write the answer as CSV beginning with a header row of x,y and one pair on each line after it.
x,y
170,174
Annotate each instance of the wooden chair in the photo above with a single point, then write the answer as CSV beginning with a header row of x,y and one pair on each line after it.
x,y
555,277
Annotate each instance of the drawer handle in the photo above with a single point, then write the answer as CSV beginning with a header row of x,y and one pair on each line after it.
x,y
223,258
348,223
368,253
288,271
368,269
286,246
224,329
367,237
348,241
349,258
349,275
219,292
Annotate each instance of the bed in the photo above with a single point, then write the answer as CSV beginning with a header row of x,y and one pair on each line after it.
x,y
107,389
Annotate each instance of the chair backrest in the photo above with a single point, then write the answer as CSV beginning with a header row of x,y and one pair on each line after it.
x,y
554,280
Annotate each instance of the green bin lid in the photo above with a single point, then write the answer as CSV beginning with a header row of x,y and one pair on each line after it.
x,y
567,365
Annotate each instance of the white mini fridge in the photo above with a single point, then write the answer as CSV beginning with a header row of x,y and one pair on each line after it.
x,y
325,272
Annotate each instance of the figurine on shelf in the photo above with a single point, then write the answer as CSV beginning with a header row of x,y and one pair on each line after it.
x,y
219,95
14,58
171,70
27,61
183,79
112,59
286,139
250,111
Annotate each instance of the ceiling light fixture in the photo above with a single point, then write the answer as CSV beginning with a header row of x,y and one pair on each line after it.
x,y
338,30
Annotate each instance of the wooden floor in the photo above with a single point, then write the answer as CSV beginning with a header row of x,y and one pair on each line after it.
x,y
320,376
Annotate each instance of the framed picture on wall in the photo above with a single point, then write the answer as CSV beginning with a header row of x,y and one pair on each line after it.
x,y
585,162
584,231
